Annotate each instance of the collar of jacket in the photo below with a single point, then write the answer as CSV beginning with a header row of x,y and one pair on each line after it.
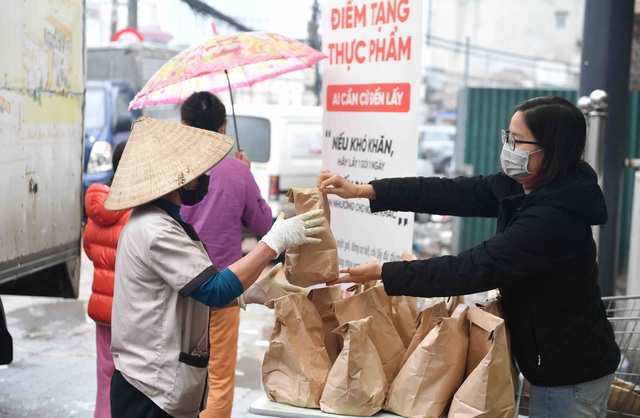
x,y
173,210
577,193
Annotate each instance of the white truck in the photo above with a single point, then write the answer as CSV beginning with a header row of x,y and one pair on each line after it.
x,y
284,144
41,132
133,63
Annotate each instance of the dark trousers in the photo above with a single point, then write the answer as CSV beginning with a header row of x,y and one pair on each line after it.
x,y
129,402
6,342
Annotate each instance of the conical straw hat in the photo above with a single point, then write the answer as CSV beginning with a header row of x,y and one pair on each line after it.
x,y
161,157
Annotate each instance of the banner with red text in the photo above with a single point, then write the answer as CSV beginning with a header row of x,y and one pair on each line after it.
x,y
371,85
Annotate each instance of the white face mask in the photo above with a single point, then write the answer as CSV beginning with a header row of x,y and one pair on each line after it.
x,y
515,162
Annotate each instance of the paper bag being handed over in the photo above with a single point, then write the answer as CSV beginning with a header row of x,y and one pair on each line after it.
x,y
434,371
296,364
356,384
311,264
488,390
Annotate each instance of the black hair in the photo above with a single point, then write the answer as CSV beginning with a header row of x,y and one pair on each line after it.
x,y
117,154
203,110
561,130
115,157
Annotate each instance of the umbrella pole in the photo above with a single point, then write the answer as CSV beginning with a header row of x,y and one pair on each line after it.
x,y
233,111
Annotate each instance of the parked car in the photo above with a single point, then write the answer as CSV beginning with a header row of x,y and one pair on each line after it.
x,y
437,144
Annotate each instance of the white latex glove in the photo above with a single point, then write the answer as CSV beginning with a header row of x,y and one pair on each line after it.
x,y
267,288
296,231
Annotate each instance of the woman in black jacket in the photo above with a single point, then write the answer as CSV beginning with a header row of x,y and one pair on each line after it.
x,y
542,258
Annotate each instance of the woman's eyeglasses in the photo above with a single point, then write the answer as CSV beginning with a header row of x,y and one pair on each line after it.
x,y
508,139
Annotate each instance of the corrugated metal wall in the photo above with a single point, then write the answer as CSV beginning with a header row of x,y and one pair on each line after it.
x,y
633,151
490,110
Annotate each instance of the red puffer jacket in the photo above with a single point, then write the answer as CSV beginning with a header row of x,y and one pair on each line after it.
x,y
100,241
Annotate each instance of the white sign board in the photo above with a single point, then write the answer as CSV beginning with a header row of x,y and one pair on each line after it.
x,y
370,125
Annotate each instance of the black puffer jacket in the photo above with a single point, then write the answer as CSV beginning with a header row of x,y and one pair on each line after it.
x,y
542,258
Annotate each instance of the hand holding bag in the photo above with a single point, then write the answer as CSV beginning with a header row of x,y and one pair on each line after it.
x,y
307,265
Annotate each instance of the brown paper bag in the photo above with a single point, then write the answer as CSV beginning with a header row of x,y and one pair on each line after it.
x,y
356,384
494,307
388,343
323,299
361,287
311,264
426,321
451,302
402,310
624,397
487,390
296,364
434,371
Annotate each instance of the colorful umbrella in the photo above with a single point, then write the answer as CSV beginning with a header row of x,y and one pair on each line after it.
x,y
225,62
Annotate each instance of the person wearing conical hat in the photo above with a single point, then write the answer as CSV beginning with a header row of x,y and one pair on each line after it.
x,y
165,282
232,205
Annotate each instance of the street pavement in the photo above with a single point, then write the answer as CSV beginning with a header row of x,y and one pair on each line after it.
x,y
53,374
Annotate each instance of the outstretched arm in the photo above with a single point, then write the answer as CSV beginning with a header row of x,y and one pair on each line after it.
x,y
334,183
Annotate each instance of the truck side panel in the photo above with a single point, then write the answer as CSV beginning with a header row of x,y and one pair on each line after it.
x,y
135,64
41,132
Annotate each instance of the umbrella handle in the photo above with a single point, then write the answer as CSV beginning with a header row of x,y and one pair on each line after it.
x,y
233,111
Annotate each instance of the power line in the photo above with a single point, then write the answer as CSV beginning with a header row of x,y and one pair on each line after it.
x,y
203,8
475,50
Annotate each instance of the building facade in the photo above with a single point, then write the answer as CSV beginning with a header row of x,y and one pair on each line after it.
x,y
498,43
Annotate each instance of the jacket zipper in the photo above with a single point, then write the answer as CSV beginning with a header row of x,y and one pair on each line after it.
x,y
522,205
536,350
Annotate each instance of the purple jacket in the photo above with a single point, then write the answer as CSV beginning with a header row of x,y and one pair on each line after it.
x,y
233,200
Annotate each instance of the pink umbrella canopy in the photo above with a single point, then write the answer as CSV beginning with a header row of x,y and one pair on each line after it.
x,y
223,63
